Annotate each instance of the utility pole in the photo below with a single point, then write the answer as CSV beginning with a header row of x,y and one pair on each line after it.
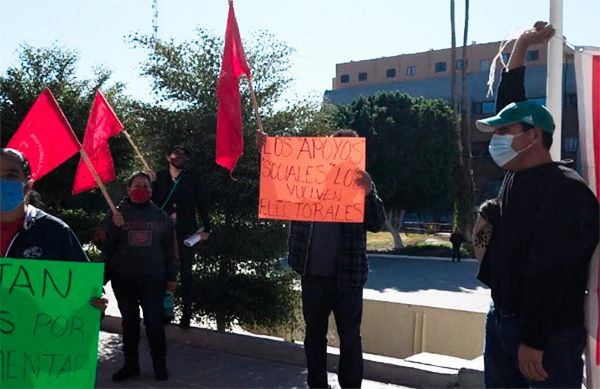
x,y
555,76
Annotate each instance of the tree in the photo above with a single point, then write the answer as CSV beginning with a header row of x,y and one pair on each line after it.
x,y
463,174
465,219
238,275
411,148
55,67
453,92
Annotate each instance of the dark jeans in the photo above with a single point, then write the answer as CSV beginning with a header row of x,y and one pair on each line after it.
x,y
562,356
319,299
186,256
455,252
130,294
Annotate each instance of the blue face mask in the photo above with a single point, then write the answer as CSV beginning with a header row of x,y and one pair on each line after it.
x,y
11,195
501,149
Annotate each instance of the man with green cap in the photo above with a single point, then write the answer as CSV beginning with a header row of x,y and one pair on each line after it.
x,y
537,260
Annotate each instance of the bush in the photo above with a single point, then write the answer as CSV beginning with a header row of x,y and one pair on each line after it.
x,y
83,223
238,277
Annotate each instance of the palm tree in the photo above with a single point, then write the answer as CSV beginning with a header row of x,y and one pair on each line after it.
x,y
453,62
465,123
463,177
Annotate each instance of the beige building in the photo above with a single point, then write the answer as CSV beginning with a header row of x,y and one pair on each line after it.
x,y
425,65
427,74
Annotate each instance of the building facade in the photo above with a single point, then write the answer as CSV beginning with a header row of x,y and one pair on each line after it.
x,y
427,74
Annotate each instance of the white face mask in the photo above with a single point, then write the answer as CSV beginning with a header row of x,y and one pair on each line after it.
x,y
501,148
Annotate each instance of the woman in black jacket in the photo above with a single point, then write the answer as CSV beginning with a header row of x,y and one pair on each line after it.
x,y
139,248
27,231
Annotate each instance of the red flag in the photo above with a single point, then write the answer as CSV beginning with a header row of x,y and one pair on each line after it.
x,y
101,125
45,136
230,144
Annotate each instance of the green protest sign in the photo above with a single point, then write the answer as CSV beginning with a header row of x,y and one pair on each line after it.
x,y
48,329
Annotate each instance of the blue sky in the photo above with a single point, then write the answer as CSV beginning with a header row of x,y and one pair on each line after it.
x,y
323,32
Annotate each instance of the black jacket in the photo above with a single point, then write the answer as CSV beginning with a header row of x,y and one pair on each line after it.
x,y
143,248
351,263
537,262
44,236
187,200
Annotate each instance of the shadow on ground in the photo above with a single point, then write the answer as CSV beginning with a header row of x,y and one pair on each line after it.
x,y
192,367
411,275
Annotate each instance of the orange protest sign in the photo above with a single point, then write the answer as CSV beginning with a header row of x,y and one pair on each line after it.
x,y
312,179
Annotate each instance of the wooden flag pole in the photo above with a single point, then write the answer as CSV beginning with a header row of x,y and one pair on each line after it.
x,y
252,95
87,161
254,104
137,151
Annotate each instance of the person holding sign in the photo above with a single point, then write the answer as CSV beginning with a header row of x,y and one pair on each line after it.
x,y
332,262
178,191
536,263
139,246
29,232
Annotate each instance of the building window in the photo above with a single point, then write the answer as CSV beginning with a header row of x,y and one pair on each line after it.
x,y
362,76
459,63
570,144
440,67
484,107
411,70
533,55
488,107
345,78
390,73
539,100
484,65
505,57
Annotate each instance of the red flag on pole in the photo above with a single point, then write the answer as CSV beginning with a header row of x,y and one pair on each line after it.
x,y
101,125
45,136
230,144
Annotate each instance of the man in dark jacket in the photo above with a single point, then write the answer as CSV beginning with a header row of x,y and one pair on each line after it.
x,y
331,258
179,192
456,238
537,261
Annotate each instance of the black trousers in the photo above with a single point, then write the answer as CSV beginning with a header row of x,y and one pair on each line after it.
x,y
319,299
455,252
131,294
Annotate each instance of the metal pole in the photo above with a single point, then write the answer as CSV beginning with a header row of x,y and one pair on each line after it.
x,y
555,74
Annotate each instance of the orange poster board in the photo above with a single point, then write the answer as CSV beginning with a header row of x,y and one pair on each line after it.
x,y
312,179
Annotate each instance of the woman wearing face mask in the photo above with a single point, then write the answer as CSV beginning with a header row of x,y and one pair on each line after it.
x,y
138,245
29,232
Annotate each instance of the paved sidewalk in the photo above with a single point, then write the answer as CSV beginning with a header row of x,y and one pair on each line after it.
x,y
193,367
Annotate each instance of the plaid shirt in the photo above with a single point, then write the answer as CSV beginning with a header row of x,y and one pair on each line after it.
x,y
351,264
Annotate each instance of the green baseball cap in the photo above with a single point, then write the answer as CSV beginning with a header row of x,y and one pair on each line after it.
x,y
527,112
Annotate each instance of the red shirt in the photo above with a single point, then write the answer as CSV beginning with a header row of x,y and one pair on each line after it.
x,y
7,233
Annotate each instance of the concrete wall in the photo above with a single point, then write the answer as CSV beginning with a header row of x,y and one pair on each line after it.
x,y
401,330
